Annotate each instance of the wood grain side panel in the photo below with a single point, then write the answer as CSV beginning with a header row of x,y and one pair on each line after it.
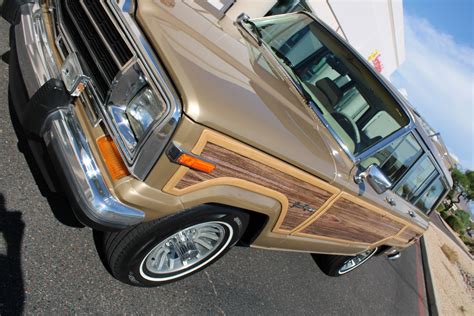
x,y
231,164
408,234
395,242
350,221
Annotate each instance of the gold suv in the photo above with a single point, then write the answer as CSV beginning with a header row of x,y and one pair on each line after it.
x,y
177,132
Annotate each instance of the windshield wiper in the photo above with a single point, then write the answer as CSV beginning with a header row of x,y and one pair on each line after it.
x,y
244,18
298,84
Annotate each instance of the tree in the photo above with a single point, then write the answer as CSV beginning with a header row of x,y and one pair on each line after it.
x,y
463,186
464,217
455,224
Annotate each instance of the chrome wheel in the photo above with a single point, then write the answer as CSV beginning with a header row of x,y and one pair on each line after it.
x,y
356,261
186,250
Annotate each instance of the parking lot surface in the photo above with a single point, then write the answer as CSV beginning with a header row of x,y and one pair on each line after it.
x,y
50,268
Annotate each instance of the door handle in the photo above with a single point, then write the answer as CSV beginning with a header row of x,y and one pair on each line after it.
x,y
391,201
412,214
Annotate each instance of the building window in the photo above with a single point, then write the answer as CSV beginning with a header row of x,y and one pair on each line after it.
x,y
287,6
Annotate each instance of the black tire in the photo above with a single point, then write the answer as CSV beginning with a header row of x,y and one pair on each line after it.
x,y
125,252
331,265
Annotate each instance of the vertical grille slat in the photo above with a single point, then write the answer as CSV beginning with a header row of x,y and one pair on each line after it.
x,y
103,53
108,29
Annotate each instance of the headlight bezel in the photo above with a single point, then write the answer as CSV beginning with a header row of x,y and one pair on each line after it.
x,y
140,155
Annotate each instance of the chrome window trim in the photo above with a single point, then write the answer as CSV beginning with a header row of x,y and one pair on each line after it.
x,y
151,147
356,159
436,174
437,177
433,159
407,173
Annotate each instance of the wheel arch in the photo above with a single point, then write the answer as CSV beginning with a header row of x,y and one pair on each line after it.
x,y
256,224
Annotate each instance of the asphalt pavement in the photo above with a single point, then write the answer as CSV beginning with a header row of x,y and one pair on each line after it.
x,y
47,267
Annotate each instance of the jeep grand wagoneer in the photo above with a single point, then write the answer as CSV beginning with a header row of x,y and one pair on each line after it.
x,y
178,133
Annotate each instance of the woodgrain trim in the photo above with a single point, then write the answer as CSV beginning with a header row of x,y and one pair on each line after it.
x,y
177,186
407,234
248,155
350,221
402,226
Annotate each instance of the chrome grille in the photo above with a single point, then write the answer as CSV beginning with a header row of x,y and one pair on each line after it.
x,y
99,44
109,31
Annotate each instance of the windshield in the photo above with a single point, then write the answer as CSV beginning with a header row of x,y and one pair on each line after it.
x,y
354,104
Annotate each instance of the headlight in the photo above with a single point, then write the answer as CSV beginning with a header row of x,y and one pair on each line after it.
x,y
143,111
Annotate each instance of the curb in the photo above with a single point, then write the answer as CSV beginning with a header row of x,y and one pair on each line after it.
x,y
430,292
462,245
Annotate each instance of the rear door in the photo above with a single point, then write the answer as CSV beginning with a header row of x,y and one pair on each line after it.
x,y
362,216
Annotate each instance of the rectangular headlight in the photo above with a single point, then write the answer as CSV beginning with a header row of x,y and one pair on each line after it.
x,y
144,109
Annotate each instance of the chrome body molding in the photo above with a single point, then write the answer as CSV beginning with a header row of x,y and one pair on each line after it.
x,y
143,68
66,140
63,134
34,53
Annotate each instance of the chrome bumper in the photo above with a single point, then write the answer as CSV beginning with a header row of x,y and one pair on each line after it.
x,y
63,134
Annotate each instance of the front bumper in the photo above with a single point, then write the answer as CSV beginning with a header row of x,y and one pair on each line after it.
x,y
55,122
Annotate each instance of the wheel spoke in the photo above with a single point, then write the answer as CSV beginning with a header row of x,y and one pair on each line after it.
x,y
186,248
210,236
162,261
203,243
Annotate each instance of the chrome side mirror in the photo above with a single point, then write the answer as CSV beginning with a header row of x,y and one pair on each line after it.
x,y
375,177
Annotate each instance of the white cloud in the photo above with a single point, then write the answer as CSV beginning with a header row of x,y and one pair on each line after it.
x,y
438,75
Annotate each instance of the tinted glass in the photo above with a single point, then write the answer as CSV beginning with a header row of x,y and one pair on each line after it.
x,y
286,6
412,185
396,158
434,192
359,110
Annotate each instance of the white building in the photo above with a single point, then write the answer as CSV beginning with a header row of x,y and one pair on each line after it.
x,y
374,27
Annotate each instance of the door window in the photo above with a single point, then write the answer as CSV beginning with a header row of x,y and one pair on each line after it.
x,y
431,196
416,180
396,158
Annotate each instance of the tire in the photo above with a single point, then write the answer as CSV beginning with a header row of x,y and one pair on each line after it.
x,y
334,265
129,255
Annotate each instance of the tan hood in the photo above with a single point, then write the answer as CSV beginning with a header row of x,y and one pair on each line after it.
x,y
225,85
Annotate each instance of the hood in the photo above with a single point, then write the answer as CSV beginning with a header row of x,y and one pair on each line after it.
x,y
225,84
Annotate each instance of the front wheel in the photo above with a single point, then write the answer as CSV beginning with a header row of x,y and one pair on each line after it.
x,y
339,265
169,249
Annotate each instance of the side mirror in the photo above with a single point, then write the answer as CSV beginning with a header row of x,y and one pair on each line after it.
x,y
375,177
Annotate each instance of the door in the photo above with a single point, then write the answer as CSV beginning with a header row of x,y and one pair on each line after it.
x,y
361,215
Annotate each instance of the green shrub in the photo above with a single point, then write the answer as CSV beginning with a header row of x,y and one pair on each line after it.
x,y
469,242
441,208
444,214
455,223
464,217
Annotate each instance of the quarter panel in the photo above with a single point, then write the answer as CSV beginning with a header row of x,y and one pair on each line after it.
x,y
348,220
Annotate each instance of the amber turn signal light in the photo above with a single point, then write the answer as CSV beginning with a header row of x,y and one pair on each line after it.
x,y
112,158
196,163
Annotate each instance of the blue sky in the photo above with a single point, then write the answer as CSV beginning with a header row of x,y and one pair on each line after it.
x,y
438,72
